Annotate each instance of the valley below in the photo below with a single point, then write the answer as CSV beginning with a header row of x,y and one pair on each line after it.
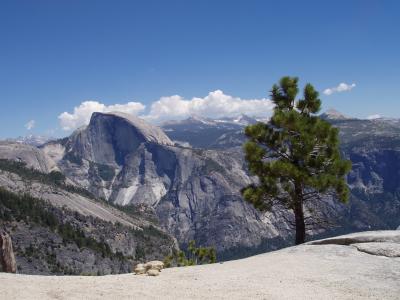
x,y
122,191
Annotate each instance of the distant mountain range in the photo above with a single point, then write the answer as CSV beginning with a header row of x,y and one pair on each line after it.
x,y
34,140
333,114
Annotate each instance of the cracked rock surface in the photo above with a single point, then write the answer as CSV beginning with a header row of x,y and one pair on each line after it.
x,y
380,249
380,243
380,236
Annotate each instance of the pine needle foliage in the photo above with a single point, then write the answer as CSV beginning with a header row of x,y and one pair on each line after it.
x,y
195,256
295,155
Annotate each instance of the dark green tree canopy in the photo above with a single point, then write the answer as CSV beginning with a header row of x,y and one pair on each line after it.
x,y
296,155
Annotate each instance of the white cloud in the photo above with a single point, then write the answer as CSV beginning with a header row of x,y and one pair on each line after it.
x,y
30,124
216,104
372,117
342,87
83,112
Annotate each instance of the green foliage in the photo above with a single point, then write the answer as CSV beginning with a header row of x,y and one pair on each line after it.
x,y
29,209
155,232
196,255
57,177
77,236
24,208
137,211
201,255
296,155
24,211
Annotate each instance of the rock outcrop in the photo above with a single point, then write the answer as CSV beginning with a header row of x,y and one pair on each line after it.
x,y
194,193
30,155
154,264
311,272
139,269
153,272
387,236
379,248
151,268
111,137
7,258
373,146
65,232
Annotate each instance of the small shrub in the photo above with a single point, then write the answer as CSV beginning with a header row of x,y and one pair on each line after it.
x,y
196,256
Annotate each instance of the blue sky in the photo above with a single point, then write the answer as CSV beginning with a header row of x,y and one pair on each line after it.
x,y
54,55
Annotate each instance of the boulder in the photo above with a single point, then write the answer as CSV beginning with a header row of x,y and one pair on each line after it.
x,y
155,264
140,269
7,258
153,272
151,268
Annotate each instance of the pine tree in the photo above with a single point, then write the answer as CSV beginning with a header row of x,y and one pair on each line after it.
x,y
295,155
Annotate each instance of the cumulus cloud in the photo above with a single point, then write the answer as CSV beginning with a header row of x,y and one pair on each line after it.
x,y
83,112
342,87
30,124
216,104
375,116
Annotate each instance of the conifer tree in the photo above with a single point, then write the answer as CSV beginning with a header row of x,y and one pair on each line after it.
x,y
295,155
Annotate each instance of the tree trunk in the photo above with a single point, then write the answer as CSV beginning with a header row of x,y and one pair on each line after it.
x,y
299,216
7,258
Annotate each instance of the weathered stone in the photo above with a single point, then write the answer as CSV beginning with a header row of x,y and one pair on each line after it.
x,y
30,155
155,264
140,269
311,272
383,236
153,272
379,248
195,193
183,187
379,243
7,258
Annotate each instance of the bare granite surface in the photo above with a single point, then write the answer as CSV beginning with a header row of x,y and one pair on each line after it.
x,y
310,271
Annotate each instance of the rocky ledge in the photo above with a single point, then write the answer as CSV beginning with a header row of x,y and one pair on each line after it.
x,y
336,268
380,243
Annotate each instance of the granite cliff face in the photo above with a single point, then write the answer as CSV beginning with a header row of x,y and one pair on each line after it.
x,y
194,193
111,137
373,146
